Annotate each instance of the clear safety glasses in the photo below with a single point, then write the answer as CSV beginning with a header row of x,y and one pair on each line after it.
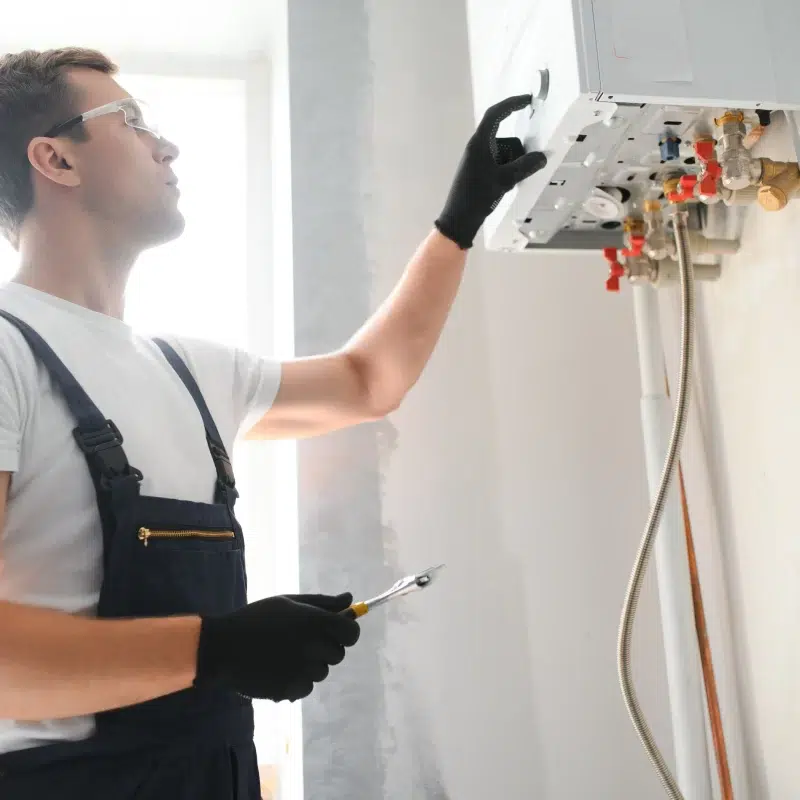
x,y
137,115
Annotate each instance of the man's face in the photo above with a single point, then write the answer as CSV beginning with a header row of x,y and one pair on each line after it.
x,y
124,175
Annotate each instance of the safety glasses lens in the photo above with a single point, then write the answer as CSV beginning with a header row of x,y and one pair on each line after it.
x,y
139,115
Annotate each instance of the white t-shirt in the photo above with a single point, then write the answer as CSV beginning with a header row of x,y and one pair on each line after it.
x,y
51,547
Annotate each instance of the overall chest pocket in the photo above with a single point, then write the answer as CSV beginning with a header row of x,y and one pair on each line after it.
x,y
186,571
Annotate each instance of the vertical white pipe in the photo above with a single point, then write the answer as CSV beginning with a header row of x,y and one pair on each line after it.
x,y
707,542
684,672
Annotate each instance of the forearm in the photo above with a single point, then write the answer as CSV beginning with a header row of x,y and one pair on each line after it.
x,y
394,346
373,372
55,665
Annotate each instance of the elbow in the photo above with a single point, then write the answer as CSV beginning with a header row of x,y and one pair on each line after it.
x,y
381,398
382,407
380,392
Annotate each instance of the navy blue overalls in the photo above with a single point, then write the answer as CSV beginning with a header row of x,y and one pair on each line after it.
x,y
161,557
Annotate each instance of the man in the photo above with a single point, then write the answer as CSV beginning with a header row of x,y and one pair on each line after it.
x,y
128,652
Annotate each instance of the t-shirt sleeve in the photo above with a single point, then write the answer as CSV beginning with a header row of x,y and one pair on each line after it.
x,y
235,383
256,381
12,400
10,428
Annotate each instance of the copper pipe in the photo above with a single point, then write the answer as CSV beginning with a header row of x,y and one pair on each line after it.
x,y
712,697
706,659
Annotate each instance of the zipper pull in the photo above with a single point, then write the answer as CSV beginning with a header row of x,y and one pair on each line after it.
x,y
144,535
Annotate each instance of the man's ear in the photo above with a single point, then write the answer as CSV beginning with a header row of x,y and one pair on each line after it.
x,y
53,159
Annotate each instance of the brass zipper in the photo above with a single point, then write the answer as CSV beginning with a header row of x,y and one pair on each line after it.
x,y
145,534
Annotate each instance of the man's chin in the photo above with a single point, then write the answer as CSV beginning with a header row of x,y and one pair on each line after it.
x,y
178,227
171,227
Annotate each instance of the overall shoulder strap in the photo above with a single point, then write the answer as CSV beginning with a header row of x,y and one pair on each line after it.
x,y
226,482
98,438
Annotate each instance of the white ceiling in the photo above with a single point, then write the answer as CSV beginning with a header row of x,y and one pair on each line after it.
x,y
229,30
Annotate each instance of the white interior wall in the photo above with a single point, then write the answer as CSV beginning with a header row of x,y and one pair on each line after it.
x,y
518,462
747,400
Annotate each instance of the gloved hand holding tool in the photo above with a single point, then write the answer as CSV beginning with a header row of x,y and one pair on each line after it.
x,y
276,648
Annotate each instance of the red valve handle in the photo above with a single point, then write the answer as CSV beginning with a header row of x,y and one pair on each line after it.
x,y
712,169
704,149
687,184
637,243
615,269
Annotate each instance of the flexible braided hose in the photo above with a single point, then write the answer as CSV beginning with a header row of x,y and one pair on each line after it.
x,y
646,547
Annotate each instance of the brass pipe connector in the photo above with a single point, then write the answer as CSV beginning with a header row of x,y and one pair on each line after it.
x,y
671,185
779,182
729,118
652,206
633,225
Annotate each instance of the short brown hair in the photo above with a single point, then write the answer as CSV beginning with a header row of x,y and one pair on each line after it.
x,y
35,95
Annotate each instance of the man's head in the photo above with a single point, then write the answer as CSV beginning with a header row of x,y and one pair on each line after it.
x,y
108,173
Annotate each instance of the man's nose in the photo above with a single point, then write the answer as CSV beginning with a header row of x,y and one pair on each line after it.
x,y
167,151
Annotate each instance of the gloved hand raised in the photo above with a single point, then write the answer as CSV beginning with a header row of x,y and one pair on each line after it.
x,y
276,648
489,168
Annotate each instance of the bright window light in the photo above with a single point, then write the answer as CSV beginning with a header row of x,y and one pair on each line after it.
x,y
198,286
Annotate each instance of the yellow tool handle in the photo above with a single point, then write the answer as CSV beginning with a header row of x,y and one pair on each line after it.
x,y
357,610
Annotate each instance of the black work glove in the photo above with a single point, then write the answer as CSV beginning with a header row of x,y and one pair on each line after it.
x,y
276,648
489,168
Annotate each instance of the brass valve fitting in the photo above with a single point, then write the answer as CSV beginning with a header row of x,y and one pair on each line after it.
x,y
779,182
